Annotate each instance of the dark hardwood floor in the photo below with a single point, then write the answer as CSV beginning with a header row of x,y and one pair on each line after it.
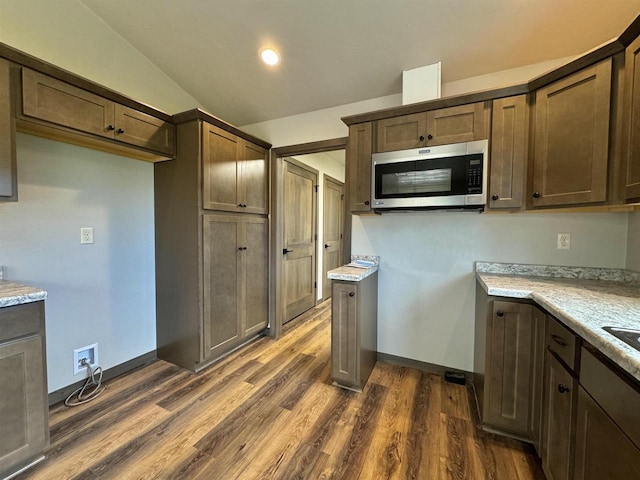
x,y
269,411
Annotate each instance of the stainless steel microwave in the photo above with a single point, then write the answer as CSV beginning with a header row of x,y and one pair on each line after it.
x,y
444,177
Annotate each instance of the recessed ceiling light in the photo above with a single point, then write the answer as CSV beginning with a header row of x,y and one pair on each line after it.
x,y
269,56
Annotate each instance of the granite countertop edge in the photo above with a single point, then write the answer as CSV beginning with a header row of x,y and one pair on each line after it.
x,y
13,293
584,306
354,274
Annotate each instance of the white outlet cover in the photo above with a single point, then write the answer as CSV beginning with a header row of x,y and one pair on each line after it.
x,y
564,241
86,235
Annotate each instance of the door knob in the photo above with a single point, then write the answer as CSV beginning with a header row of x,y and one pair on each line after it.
x,y
351,294
326,245
285,251
562,388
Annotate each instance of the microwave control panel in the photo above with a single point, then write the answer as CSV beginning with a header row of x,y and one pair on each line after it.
x,y
474,176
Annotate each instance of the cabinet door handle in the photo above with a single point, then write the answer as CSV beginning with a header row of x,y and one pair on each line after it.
x,y
121,130
559,340
500,313
366,202
429,137
421,138
351,294
536,195
111,127
242,205
495,197
562,388
285,251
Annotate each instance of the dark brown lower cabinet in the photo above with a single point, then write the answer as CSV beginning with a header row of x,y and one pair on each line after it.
x,y
235,280
24,428
603,451
558,420
508,365
354,331
510,333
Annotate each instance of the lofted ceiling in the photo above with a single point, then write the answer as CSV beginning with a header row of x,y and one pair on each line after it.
x,y
342,51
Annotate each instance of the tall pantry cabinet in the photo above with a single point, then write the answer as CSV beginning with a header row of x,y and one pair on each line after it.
x,y
212,241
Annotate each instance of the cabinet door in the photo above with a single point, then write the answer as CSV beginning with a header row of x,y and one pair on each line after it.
x,y
509,367
142,130
358,168
345,342
255,266
254,178
58,102
508,152
222,282
464,123
401,133
631,152
7,136
558,420
571,139
220,169
603,451
537,375
23,402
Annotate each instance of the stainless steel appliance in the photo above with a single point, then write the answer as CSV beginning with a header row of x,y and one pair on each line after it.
x,y
444,177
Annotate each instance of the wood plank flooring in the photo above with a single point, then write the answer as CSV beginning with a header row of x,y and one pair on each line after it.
x,y
269,411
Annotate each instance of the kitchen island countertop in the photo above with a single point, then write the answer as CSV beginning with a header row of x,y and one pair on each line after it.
x,y
584,303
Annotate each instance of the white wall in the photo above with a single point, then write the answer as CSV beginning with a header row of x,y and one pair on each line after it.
x,y
319,125
633,242
426,279
325,166
103,292
69,35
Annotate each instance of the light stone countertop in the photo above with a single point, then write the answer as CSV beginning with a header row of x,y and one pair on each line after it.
x,y
584,305
354,274
12,293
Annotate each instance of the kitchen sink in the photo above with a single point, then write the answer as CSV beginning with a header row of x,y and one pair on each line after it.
x,y
627,335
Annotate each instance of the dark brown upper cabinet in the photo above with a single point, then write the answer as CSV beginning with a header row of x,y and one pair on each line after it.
x,y
235,173
358,167
509,129
8,185
64,105
463,123
570,154
631,148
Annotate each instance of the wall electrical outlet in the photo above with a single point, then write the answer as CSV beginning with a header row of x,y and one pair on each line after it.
x,y
86,235
564,241
90,353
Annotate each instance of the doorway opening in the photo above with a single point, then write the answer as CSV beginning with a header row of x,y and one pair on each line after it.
x,y
307,225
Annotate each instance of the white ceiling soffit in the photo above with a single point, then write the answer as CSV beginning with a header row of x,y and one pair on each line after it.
x,y
342,51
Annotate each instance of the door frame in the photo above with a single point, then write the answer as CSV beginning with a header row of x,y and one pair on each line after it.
x,y
277,230
328,178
